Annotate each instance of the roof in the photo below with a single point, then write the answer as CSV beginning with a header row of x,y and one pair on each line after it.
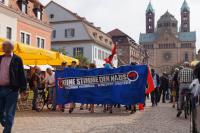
x,y
182,36
116,32
94,32
149,8
187,36
167,17
99,37
149,37
185,6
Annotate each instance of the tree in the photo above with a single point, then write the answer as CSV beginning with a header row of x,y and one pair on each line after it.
x,y
60,50
83,61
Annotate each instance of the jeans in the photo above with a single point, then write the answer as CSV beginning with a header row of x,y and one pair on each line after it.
x,y
35,96
181,97
52,95
8,102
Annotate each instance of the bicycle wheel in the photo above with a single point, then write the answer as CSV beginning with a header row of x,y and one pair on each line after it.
x,y
40,101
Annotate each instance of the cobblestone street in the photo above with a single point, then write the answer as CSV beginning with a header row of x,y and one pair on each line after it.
x,y
161,119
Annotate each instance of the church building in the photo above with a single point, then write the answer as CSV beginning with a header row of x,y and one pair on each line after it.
x,y
168,45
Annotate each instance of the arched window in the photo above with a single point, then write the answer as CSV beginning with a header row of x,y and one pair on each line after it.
x,y
186,57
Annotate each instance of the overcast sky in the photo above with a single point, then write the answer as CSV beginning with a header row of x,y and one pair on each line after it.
x,y
129,15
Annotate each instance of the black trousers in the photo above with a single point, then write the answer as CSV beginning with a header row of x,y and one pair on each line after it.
x,y
163,92
155,96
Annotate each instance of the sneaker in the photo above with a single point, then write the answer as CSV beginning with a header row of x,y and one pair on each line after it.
x,y
62,110
111,112
173,106
179,114
71,110
3,123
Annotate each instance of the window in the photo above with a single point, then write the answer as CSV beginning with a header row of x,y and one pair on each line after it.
x,y
78,52
186,58
95,53
54,34
100,37
9,33
167,45
185,18
150,27
95,34
40,42
103,55
69,33
38,13
51,16
148,46
185,25
22,37
150,20
25,38
186,45
174,24
99,54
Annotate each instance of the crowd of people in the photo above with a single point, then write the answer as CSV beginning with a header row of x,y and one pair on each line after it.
x,y
171,86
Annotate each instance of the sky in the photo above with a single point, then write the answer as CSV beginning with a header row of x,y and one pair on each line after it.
x,y
129,15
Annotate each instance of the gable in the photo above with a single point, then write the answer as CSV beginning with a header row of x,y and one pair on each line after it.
x,y
60,13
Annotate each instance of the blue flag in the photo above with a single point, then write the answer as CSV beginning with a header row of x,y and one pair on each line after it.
x,y
124,85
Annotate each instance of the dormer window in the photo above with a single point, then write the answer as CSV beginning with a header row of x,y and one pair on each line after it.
x,y
23,4
51,16
95,34
38,13
100,37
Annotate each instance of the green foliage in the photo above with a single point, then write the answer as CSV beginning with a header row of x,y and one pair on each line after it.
x,y
83,60
60,50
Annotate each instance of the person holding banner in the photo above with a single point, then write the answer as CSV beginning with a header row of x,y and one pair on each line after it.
x,y
155,93
50,83
108,107
72,105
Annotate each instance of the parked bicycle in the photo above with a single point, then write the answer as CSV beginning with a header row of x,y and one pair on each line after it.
x,y
43,99
186,93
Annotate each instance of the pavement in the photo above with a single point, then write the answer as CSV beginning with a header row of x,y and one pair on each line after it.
x,y
160,119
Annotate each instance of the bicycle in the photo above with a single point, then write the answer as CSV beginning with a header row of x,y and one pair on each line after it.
x,y
186,102
42,100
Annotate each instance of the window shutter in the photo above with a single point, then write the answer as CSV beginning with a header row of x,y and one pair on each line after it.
x,y
81,49
72,32
65,33
74,52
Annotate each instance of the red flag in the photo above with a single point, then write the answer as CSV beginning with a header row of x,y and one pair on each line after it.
x,y
114,49
110,58
150,83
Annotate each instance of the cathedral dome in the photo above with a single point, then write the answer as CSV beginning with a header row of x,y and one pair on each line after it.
x,y
167,17
167,22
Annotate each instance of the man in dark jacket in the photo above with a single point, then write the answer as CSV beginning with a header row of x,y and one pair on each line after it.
x,y
164,86
12,80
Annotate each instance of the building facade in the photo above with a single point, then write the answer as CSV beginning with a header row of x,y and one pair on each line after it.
x,y
25,21
77,36
127,49
167,46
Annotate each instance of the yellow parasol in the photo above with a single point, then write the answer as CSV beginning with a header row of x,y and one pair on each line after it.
x,y
37,56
